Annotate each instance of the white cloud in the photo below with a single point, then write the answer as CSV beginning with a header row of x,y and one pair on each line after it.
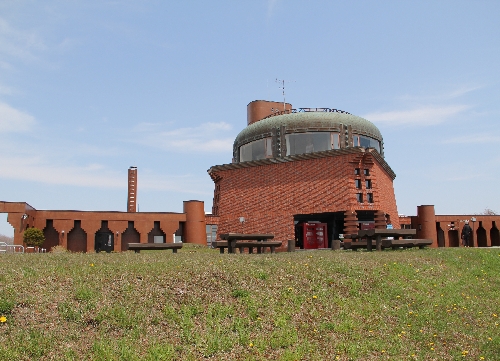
x,y
19,44
447,95
36,169
180,184
473,138
5,90
207,137
13,120
426,115
462,91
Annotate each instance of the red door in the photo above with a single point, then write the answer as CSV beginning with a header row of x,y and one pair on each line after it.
x,y
315,235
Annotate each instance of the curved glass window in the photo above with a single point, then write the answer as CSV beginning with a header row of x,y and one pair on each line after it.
x,y
259,149
301,143
366,142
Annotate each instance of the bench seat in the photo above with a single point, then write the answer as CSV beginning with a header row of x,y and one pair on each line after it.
x,y
261,246
390,243
358,244
406,243
137,247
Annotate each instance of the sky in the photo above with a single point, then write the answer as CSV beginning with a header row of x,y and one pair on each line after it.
x,y
89,88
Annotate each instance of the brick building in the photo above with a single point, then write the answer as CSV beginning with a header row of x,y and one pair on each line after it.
x,y
445,230
293,167
293,171
89,231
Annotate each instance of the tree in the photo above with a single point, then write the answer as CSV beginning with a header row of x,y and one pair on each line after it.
x,y
6,239
489,212
33,237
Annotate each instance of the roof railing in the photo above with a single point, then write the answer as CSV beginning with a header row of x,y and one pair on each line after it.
x,y
306,110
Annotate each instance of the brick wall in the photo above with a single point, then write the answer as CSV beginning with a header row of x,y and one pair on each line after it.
x,y
269,195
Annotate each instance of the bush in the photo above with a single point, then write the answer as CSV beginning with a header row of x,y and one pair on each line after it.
x,y
33,237
58,249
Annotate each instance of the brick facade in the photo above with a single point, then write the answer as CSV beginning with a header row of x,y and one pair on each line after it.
x,y
268,193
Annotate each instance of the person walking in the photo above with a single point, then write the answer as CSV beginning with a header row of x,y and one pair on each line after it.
x,y
466,234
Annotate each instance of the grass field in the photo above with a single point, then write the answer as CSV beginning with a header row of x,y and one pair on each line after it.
x,y
434,304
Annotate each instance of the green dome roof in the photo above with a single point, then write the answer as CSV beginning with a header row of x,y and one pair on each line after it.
x,y
307,122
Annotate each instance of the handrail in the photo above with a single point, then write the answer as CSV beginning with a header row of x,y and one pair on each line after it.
x,y
306,110
11,248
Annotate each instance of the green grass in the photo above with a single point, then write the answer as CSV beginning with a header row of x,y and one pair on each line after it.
x,y
435,304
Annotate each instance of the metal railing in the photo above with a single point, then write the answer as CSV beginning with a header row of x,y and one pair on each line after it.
x,y
306,110
10,248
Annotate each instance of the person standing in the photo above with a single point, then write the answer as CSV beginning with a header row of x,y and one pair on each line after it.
x,y
466,234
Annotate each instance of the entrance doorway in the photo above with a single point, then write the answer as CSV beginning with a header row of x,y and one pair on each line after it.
x,y
440,234
51,235
334,226
104,239
454,239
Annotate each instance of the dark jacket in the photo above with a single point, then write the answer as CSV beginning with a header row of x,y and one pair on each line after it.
x,y
466,231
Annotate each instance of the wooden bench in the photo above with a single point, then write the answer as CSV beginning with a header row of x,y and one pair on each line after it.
x,y
241,245
137,247
358,244
232,238
221,245
406,243
390,243
378,234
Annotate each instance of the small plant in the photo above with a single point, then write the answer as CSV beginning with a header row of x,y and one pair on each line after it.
x,y
68,312
240,293
6,306
33,237
58,249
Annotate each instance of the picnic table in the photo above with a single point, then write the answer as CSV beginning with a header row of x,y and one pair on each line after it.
x,y
378,233
258,240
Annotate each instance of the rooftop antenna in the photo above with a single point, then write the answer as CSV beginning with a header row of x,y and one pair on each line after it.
x,y
282,86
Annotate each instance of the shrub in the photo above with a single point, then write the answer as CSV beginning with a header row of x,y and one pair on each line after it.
x,y
58,249
33,237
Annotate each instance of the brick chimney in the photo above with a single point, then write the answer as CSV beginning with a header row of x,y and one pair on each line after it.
x,y
132,190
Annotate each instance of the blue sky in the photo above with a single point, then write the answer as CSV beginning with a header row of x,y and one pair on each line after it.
x,y
89,88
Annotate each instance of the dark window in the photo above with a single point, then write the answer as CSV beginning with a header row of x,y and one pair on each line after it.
x,y
368,184
303,143
355,141
357,171
369,143
369,197
357,182
359,197
367,172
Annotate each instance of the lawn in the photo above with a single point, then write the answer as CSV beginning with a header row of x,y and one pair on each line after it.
x,y
433,304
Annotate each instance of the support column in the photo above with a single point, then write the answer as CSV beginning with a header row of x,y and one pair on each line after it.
x,y
446,237
380,222
15,221
488,225
117,227
195,230
350,222
91,227
169,227
143,227
426,223
63,227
